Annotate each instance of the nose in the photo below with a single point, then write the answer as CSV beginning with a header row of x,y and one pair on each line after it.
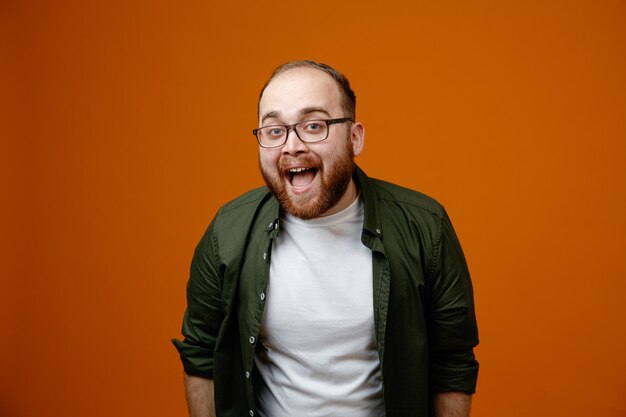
x,y
294,145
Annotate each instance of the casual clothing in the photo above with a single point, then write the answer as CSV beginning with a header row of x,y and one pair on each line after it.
x,y
425,326
317,355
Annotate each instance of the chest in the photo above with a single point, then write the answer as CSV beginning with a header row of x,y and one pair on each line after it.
x,y
320,283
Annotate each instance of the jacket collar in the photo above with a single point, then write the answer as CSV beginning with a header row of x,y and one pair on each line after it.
x,y
371,222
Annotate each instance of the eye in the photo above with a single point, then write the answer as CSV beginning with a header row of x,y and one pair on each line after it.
x,y
313,127
275,131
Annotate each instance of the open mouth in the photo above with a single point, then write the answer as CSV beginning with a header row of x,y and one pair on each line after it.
x,y
301,177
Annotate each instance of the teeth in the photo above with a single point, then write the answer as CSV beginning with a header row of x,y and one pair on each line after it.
x,y
298,169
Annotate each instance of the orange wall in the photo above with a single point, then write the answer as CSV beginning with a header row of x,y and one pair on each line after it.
x,y
128,123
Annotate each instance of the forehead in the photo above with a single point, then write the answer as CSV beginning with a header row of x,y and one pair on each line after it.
x,y
300,88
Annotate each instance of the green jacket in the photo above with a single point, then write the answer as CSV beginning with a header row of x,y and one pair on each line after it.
x,y
423,303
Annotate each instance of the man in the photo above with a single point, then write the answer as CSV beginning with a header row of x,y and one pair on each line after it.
x,y
327,293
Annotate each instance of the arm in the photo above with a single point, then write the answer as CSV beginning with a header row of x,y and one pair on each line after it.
x,y
451,319
452,404
199,396
201,324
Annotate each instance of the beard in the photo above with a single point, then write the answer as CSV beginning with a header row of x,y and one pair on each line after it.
x,y
334,177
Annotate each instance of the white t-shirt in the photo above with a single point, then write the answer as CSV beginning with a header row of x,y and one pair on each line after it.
x,y
318,352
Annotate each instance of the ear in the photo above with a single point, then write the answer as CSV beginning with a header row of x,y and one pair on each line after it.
x,y
357,137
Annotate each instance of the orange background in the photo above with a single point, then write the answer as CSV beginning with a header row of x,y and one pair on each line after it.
x,y
127,124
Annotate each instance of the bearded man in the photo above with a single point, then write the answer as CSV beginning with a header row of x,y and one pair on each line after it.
x,y
326,293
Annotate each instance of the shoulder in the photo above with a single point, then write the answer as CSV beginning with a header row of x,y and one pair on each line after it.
x,y
255,209
245,202
391,195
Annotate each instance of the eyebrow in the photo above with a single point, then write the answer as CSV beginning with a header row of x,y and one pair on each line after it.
x,y
304,111
308,110
272,114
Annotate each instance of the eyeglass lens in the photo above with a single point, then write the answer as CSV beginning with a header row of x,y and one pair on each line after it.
x,y
307,131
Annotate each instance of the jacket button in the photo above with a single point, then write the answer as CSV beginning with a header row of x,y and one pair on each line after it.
x,y
378,231
251,413
262,296
264,255
247,375
252,339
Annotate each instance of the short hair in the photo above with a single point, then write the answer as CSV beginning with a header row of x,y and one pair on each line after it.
x,y
348,97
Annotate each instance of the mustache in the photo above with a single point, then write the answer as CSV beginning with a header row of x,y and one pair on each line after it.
x,y
288,161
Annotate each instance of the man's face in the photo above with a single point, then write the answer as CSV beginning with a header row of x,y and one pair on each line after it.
x,y
309,179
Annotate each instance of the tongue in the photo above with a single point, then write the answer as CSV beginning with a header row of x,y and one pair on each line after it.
x,y
302,179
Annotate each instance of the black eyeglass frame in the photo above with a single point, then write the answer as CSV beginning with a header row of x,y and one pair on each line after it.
x,y
293,127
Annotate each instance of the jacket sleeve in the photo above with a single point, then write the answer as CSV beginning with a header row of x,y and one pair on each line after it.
x,y
204,314
453,332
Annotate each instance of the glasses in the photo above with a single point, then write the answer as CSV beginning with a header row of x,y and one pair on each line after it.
x,y
308,131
